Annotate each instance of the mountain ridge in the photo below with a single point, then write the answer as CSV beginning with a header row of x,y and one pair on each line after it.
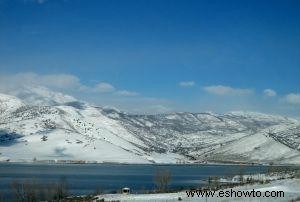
x,y
68,129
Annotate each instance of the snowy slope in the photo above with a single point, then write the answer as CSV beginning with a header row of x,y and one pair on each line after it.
x,y
9,104
40,124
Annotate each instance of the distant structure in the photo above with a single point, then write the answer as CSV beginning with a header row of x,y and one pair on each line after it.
x,y
126,190
181,161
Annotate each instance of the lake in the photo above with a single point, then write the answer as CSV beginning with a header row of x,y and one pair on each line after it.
x,y
86,178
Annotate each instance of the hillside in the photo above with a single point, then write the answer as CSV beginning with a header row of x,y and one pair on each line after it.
x,y
39,124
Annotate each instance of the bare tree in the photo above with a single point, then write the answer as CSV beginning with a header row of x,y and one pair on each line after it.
x,y
213,183
162,179
26,191
18,191
30,191
61,189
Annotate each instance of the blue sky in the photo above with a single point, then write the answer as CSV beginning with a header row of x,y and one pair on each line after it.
x,y
159,55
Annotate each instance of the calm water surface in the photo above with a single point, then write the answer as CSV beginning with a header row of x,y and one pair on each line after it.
x,y
86,178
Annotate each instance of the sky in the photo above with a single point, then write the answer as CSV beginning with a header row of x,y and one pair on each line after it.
x,y
157,56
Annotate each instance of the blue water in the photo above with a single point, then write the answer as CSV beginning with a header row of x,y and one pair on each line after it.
x,y
86,178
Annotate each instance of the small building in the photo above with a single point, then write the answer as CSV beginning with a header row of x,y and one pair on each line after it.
x,y
126,190
236,178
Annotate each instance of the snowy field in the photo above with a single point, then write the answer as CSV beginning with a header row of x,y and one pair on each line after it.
x,y
291,188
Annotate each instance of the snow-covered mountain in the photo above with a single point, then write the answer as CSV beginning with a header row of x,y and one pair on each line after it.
x,y
39,124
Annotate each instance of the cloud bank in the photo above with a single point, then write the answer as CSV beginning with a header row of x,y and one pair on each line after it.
x,y
269,92
102,93
104,87
106,94
293,98
226,90
62,82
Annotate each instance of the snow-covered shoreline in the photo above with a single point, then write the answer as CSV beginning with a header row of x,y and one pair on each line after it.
x,y
287,183
290,187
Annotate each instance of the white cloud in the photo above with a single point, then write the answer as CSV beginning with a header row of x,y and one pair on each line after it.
x,y
57,81
25,84
186,83
226,90
127,93
293,98
60,82
269,93
104,87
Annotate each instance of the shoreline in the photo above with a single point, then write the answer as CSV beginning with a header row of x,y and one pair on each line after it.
x,y
148,164
288,186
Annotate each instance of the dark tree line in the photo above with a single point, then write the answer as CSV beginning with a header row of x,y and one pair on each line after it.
x,y
31,191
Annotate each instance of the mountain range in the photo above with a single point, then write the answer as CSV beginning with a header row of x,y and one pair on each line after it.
x,y
37,124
